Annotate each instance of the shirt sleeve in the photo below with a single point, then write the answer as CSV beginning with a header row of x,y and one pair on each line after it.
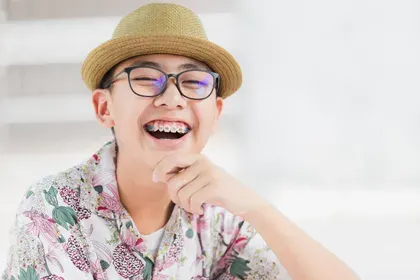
x,y
36,245
247,256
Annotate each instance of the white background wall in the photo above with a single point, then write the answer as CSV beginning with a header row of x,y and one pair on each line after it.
x,y
326,125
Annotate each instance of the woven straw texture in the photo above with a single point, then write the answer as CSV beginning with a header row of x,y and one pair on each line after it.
x,y
162,29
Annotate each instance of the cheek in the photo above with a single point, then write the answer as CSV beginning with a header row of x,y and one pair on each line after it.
x,y
127,113
206,116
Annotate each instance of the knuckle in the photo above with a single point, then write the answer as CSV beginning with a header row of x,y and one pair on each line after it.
x,y
208,176
194,201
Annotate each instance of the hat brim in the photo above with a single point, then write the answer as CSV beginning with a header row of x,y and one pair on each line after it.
x,y
104,57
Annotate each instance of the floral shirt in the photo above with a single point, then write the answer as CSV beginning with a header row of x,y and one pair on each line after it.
x,y
72,225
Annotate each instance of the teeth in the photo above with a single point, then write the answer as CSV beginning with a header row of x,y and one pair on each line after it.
x,y
164,127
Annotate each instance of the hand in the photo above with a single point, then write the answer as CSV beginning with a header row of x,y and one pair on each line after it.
x,y
193,180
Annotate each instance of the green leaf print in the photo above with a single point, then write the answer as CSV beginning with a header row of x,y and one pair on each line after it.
x,y
190,233
147,271
64,215
28,194
12,278
104,265
182,260
99,189
30,274
51,196
217,218
61,239
129,224
115,238
239,268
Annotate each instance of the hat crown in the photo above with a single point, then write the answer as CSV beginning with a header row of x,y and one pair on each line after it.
x,y
160,19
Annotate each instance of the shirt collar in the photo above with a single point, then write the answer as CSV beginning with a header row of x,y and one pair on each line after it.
x,y
99,193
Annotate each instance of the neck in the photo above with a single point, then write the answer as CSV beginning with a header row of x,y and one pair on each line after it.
x,y
148,203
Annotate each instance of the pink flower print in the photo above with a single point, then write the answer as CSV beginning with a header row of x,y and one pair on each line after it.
x,y
102,251
232,251
227,276
95,157
41,225
52,277
160,277
103,177
140,246
126,264
196,263
200,223
53,258
199,278
76,254
70,197
240,244
97,271
228,227
173,255
110,202
129,238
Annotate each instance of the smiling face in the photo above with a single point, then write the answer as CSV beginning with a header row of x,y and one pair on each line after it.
x,y
149,128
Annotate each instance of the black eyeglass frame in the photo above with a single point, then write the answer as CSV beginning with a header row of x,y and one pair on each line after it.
x,y
128,70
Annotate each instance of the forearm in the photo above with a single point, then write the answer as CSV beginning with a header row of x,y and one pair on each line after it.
x,y
303,257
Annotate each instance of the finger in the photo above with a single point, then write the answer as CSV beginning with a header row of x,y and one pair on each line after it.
x,y
200,197
171,164
177,181
171,174
186,193
174,198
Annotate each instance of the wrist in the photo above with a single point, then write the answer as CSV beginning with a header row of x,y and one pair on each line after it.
x,y
259,212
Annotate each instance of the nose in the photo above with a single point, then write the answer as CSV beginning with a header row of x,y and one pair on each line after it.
x,y
171,98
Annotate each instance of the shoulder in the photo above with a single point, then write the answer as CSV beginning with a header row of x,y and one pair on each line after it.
x,y
55,197
69,194
47,216
45,189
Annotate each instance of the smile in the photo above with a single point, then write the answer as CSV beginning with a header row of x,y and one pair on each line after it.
x,y
167,129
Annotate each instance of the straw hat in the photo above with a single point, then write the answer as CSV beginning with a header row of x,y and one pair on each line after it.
x,y
162,28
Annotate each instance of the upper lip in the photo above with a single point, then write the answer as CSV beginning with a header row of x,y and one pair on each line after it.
x,y
170,119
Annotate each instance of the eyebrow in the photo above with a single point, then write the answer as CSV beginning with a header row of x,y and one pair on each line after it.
x,y
185,66
188,66
145,63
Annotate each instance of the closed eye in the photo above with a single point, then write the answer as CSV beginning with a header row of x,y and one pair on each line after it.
x,y
144,79
195,82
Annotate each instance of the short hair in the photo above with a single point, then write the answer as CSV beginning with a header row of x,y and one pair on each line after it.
x,y
106,80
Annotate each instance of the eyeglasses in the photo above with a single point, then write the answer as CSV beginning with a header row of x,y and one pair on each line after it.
x,y
147,81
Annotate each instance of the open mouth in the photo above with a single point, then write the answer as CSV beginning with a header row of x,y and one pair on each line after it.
x,y
167,129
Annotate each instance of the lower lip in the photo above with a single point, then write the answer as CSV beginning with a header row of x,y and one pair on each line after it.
x,y
167,143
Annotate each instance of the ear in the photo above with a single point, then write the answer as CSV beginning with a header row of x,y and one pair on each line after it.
x,y
219,106
219,109
102,102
